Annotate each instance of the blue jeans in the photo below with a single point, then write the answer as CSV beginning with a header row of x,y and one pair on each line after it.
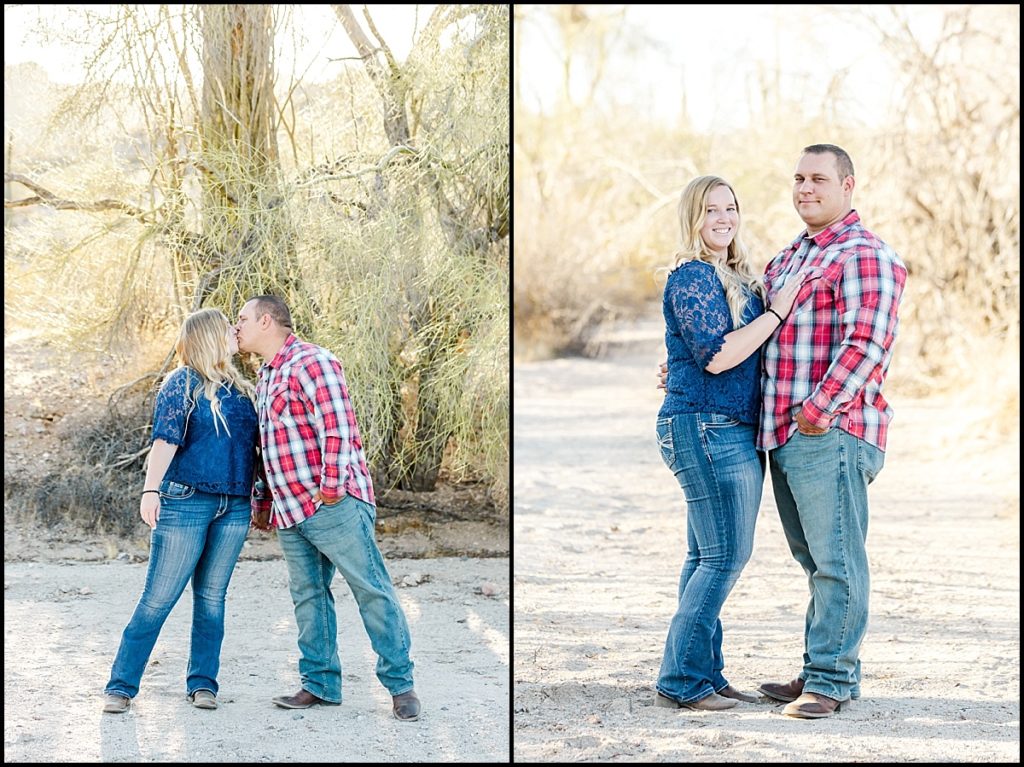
x,y
821,489
199,537
340,537
714,460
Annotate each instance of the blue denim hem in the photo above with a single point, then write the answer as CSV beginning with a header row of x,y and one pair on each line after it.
x,y
321,697
678,700
665,694
827,693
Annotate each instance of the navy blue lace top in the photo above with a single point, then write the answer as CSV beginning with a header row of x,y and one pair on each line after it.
x,y
696,320
207,458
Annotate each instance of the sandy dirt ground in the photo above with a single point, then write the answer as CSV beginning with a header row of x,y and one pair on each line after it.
x,y
62,624
67,598
599,538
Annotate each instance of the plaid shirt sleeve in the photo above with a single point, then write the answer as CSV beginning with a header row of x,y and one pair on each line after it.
x,y
323,385
867,301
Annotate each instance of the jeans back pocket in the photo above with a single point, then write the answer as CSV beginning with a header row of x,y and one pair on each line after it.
x,y
663,429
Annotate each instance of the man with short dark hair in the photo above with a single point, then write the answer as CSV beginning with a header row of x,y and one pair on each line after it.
x,y
320,498
824,420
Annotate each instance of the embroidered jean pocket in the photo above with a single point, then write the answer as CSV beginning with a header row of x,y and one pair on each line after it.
x,y
664,434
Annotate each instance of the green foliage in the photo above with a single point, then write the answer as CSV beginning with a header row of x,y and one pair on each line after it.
x,y
416,325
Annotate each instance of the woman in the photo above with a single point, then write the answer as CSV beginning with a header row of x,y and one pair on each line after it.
x,y
196,499
715,325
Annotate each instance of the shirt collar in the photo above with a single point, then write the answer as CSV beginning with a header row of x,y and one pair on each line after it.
x,y
284,352
829,233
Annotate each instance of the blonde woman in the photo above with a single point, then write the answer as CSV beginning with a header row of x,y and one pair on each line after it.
x,y
716,322
196,498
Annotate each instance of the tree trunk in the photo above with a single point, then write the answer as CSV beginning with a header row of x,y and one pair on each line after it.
x,y
429,438
245,224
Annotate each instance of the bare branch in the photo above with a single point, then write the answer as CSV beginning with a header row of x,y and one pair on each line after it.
x,y
396,72
364,47
45,197
381,164
124,460
396,125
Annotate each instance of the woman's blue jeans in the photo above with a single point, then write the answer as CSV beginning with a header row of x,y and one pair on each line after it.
x,y
340,537
199,537
721,472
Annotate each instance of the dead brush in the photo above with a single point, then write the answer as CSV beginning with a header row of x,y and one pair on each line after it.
x,y
98,491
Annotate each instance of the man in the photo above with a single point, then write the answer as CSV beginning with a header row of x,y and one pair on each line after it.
x,y
320,499
824,420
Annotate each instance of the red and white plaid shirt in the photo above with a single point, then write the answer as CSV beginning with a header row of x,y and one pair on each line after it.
x,y
830,357
308,433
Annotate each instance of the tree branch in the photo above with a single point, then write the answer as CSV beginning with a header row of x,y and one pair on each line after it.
x,y
396,72
312,178
46,197
396,125
364,48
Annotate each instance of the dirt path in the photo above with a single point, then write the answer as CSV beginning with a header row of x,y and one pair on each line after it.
x,y
67,599
599,531
62,624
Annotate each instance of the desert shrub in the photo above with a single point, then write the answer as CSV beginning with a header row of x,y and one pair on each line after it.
x,y
101,470
595,192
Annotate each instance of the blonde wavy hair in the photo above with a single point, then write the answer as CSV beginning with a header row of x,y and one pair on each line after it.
x,y
736,273
203,346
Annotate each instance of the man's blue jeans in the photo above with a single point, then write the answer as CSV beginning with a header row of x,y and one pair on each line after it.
x,y
199,537
821,489
714,460
341,537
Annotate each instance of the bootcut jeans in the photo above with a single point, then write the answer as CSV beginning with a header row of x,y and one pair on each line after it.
x,y
198,537
821,488
721,472
340,537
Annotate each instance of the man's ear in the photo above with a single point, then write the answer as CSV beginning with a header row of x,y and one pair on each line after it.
x,y
848,183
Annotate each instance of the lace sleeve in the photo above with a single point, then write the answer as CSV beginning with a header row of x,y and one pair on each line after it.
x,y
173,406
698,302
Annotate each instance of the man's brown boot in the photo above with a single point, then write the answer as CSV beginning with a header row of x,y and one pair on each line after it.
x,y
406,706
301,699
787,692
812,705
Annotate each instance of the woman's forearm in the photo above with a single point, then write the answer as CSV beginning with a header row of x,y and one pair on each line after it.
x,y
160,456
740,344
